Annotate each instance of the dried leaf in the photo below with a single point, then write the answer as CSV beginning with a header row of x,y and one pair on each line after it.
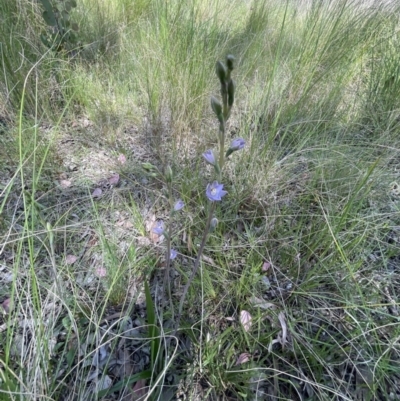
x,y
7,305
122,158
155,238
124,224
97,193
243,358
139,390
65,183
99,356
101,271
282,321
70,259
143,241
208,260
114,179
245,319
261,303
128,224
265,266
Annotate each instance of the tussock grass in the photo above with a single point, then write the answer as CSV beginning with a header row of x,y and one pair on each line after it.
x,y
307,240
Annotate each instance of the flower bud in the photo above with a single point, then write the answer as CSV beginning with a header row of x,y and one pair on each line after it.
x,y
217,108
213,224
220,69
173,254
229,61
179,204
209,156
169,175
236,144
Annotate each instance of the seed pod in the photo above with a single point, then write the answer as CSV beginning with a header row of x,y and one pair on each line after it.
x,y
229,61
217,108
221,72
169,174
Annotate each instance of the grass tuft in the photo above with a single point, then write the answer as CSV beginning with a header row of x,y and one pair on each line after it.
x,y
297,296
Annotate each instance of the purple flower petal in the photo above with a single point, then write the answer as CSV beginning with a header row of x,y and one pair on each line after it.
x,y
215,191
209,156
173,254
238,144
158,228
179,204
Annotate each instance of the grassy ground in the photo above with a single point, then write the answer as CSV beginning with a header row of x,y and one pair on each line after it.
x,y
298,294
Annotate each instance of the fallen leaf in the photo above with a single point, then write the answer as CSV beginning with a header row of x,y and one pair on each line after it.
x,y
261,303
124,224
245,319
139,390
7,305
65,183
155,238
150,222
114,179
243,358
208,260
143,241
282,321
104,383
97,193
70,259
265,266
122,158
101,271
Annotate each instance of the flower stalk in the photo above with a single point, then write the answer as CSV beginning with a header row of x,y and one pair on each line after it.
x,y
214,190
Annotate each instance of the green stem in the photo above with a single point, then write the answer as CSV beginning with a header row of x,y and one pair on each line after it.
x,y
221,146
167,281
196,264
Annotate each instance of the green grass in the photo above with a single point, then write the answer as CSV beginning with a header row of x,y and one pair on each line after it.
x,y
313,198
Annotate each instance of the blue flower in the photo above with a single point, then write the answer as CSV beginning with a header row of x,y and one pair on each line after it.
x,y
209,156
215,191
238,144
173,254
158,228
179,204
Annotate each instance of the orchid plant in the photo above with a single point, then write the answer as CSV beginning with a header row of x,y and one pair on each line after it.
x,y
214,190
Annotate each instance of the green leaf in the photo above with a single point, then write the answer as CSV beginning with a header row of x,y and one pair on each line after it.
x,y
47,5
75,27
72,37
153,329
49,18
65,15
45,40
